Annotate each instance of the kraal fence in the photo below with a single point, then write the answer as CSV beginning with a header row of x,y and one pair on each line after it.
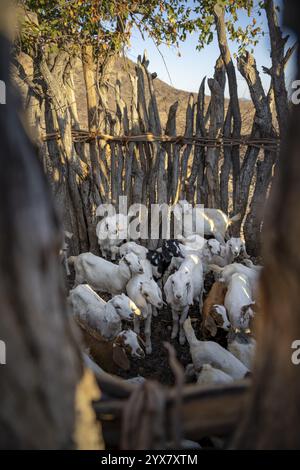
x,y
129,153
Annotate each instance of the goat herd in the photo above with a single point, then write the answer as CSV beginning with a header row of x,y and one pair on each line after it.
x,y
143,281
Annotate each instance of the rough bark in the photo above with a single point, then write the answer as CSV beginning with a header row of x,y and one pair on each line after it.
x,y
226,167
74,171
233,92
43,365
189,130
278,42
272,413
92,104
216,86
262,128
173,176
199,156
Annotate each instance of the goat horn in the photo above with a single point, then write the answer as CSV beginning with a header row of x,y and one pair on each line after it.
x,y
141,341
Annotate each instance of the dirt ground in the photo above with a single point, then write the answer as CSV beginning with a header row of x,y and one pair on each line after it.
x,y
156,365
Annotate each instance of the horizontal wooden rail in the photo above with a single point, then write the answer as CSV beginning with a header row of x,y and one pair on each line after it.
x,y
85,136
206,411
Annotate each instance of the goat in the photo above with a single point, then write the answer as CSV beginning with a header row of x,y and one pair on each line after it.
x,y
221,222
214,313
162,257
209,375
181,289
191,244
114,353
105,317
172,247
102,275
242,346
209,352
146,294
210,222
208,250
64,250
238,301
251,265
234,248
226,273
132,247
111,232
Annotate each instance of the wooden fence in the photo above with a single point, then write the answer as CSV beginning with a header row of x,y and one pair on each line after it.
x,y
127,150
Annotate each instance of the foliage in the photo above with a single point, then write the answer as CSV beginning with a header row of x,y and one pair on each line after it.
x,y
247,36
107,23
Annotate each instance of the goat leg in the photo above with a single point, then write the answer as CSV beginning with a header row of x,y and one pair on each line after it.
x,y
182,319
148,332
175,324
136,325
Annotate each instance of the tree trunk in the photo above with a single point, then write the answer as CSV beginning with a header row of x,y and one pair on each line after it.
x,y
189,130
74,171
262,128
278,43
43,364
234,100
272,414
92,103
255,216
216,85
226,167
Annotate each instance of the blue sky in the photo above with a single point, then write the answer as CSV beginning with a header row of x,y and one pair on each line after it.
x,y
187,71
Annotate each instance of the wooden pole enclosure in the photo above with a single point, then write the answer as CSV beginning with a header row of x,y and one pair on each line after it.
x,y
125,149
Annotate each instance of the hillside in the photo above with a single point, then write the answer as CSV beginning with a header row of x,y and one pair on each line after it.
x,y
166,95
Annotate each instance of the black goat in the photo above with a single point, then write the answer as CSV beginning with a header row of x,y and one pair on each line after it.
x,y
161,259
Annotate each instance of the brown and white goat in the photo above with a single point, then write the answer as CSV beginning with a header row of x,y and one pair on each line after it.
x,y
114,354
214,313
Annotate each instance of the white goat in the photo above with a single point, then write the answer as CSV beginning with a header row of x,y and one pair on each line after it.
x,y
251,265
227,272
193,242
234,247
181,289
239,301
221,221
243,347
102,275
208,250
211,222
132,247
105,317
111,232
209,352
146,294
210,375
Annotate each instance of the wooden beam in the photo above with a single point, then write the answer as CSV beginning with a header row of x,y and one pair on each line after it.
x,y
207,411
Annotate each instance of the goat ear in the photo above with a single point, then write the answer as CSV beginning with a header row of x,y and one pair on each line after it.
x,y
190,294
244,250
141,342
167,289
120,357
210,326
